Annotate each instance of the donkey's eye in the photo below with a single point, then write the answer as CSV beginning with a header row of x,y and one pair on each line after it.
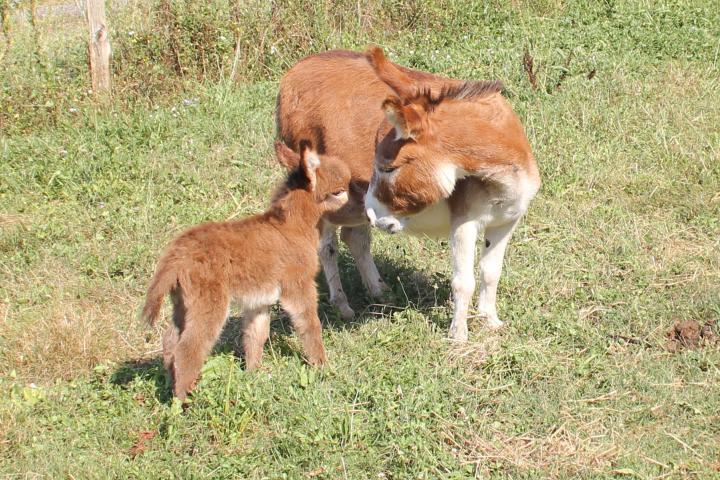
x,y
387,169
338,193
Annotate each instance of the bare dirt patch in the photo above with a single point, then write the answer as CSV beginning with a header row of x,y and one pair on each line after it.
x,y
140,445
689,334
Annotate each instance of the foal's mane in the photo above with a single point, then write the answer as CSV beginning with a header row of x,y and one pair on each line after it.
x,y
278,201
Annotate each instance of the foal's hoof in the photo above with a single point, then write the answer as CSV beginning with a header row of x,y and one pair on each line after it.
x,y
318,362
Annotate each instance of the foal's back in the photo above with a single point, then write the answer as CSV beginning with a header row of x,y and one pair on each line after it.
x,y
247,260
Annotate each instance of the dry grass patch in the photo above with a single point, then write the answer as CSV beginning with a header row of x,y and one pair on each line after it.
x,y
10,220
473,355
563,450
70,328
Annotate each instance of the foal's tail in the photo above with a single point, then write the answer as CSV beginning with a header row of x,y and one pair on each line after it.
x,y
163,281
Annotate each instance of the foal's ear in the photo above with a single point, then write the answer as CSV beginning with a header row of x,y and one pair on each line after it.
x,y
309,163
407,119
286,156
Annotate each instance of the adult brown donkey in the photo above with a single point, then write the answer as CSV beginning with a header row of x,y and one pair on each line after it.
x,y
427,154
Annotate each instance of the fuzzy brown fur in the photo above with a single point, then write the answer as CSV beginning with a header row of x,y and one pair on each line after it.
x,y
256,261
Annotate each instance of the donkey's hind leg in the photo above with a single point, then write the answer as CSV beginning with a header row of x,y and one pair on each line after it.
x,y
255,331
205,317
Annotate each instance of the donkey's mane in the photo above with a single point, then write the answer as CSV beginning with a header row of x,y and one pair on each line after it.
x,y
468,90
472,89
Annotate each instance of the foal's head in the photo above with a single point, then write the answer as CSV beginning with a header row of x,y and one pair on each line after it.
x,y
323,176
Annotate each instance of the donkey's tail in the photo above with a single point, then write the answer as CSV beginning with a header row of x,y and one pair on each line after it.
x,y
163,281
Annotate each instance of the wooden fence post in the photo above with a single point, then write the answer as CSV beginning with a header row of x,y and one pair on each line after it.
x,y
5,26
99,47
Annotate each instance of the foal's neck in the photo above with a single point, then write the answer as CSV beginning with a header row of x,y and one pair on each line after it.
x,y
296,209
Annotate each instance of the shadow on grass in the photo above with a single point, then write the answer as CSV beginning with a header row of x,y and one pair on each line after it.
x,y
408,288
145,369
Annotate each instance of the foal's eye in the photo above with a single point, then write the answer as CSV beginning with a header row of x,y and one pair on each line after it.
x,y
338,193
387,169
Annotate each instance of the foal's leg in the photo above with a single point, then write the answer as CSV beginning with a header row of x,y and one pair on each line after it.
x,y
328,257
172,332
358,241
169,342
462,243
256,329
496,240
301,304
206,314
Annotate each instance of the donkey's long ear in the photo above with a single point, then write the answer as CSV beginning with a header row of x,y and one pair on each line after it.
x,y
390,74
309,163
286,156
406,118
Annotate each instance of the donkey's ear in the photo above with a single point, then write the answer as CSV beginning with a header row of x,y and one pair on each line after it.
x,y
286,156
407,119
392,76
309,163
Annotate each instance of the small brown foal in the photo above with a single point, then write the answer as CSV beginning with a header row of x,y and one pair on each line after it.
x,y
256,261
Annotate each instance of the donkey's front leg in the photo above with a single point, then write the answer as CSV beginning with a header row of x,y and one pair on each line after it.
x,y
329,260
358,241
462,243
496,241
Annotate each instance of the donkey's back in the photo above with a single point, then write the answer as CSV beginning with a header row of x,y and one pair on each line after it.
x,y
333,99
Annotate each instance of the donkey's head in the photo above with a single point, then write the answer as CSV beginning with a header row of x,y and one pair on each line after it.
x,y
428,143
324,176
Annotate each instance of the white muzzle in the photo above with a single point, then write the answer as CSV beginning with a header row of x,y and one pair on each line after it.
x,y
379,216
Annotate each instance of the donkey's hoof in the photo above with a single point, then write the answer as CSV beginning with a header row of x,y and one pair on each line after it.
x,y
458,334
346,312
494,323
379,293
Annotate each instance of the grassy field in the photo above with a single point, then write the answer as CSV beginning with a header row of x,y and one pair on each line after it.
x,y
622,242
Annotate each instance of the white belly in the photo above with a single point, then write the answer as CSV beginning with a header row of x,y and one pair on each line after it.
x,y
433,221
258,298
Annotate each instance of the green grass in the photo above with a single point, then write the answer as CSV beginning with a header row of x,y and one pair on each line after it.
x,y
622,241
